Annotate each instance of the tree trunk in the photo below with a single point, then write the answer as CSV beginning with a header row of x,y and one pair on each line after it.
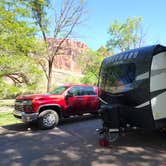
x,y
48,84
49,80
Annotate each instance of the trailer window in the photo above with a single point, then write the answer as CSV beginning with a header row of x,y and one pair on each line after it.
x,y
117,78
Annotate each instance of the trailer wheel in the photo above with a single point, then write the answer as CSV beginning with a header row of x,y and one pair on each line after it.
x,y
112,137
107,138
48,119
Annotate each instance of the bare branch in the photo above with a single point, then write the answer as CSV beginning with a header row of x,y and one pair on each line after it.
x,y
43,68
66,21
69,23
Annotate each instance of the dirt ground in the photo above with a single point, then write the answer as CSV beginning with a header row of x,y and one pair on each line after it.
x,y
6,108
75,142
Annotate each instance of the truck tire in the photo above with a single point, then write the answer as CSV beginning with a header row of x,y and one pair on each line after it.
x,y
48,119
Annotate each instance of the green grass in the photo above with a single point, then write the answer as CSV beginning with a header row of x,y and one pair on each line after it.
x,y
7,118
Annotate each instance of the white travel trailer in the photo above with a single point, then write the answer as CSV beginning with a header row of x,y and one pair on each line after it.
x,y
132,86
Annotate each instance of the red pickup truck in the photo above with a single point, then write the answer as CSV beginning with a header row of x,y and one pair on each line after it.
x,y
49,109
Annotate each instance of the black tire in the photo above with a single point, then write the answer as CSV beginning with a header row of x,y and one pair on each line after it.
x,y
111,137
32,123
48,119
66,116
95,113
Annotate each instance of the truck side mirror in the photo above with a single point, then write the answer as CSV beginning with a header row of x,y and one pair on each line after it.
x,y
68,94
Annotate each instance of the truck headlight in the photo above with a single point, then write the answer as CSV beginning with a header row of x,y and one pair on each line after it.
x,y
27,102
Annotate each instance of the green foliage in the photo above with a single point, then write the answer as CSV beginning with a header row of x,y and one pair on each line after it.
x,y
10,91
72,80
17,35
7,90
39,14
19,66
18,45
90,62
7,118
89,78
125,36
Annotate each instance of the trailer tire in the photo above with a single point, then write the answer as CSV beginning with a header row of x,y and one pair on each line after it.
x,y
48,119
112,137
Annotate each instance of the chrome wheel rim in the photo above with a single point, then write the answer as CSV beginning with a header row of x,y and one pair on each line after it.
x,y
49,120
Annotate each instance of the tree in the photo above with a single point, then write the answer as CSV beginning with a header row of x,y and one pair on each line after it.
x,y
17,40
17,35
66,19
90,62
127,35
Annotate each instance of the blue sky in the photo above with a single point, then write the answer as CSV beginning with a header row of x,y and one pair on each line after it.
x,y
101,13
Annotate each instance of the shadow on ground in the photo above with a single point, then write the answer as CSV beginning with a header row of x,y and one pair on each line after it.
x,y
75,142
33,126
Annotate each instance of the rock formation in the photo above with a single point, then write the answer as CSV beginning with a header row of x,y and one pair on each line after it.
x,y
70,49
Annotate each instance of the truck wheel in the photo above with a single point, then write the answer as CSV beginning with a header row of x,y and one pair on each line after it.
x,y
48,119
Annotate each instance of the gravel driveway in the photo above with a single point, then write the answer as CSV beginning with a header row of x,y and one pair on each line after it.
x,y
75,143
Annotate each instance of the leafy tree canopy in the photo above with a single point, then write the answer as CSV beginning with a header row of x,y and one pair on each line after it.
x,y
90,63
17,34
127,35
17,44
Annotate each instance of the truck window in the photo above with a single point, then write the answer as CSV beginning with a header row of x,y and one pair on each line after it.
x,y
88,91
58,90
75,91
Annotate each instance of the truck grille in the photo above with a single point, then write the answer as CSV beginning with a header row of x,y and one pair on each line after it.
x,y
19,105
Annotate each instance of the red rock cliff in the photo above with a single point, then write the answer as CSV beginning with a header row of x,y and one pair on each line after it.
x,y
69,50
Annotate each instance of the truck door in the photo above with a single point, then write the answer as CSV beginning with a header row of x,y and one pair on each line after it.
x,y
74,100
90,99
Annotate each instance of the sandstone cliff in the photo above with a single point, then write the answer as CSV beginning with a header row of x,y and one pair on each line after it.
x,y
70,49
